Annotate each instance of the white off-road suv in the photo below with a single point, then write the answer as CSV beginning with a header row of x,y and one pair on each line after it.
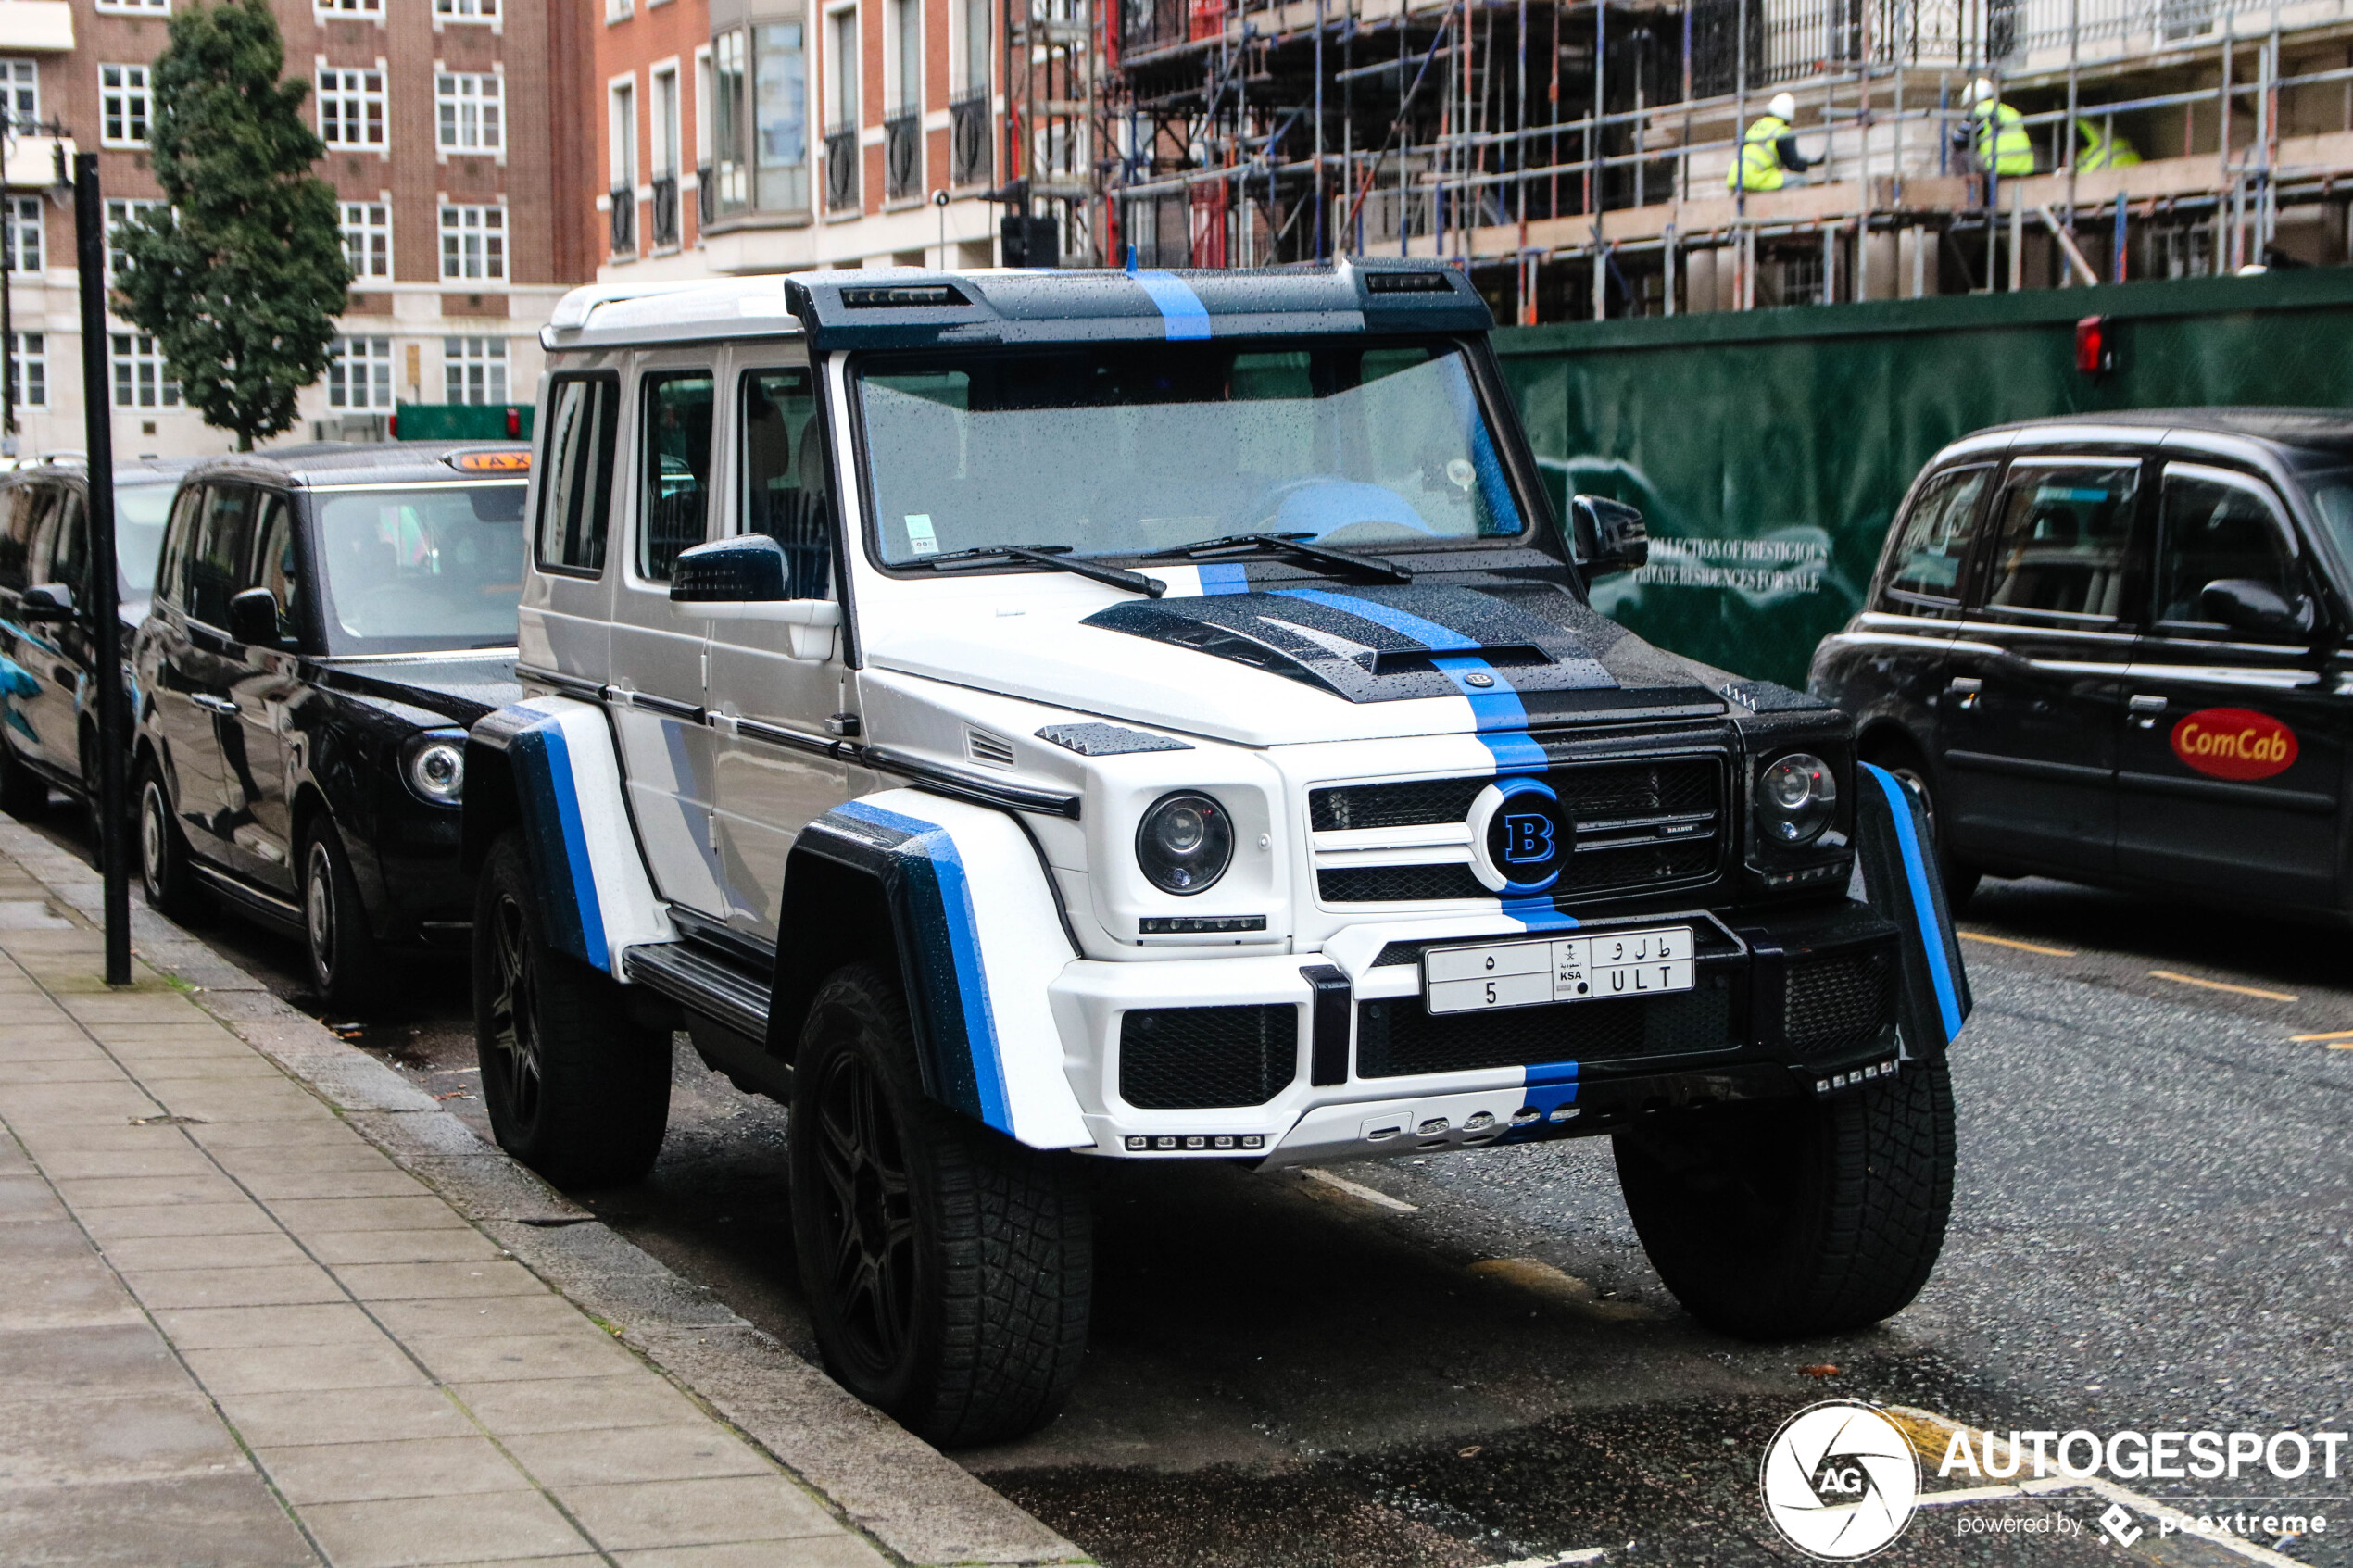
x,y
1026,717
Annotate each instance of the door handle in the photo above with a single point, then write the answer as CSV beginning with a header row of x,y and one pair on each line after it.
x,y
218,704
1966,688
2144,707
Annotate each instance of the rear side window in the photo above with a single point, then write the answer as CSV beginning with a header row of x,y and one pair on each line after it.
x,y
2063,532
673,502
575,493
1925,563
219,552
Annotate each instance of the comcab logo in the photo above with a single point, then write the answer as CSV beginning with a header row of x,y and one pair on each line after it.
x,y
1840,1481
2235,743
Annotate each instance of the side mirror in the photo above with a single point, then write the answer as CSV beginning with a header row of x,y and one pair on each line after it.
x,y
253,618
749,568
45,601
1611,536
2245,605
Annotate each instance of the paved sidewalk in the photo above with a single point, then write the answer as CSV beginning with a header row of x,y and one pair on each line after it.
x,y
233,1332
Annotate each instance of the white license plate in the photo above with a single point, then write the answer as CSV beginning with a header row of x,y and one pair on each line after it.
x,y
1565,968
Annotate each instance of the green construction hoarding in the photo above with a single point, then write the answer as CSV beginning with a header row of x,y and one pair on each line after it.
x,y
1770,449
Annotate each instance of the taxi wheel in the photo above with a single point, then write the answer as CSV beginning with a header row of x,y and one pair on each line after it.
x,y
347,967
1791,1218
948,1269
576,1088
24,794
167,875
1960,877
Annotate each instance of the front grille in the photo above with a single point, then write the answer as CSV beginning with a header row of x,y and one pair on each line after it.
x,y
1604,798
1199,1059
1398,1038
1838,1002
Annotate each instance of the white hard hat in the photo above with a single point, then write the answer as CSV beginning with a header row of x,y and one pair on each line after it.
x,y
1784,107
1980,91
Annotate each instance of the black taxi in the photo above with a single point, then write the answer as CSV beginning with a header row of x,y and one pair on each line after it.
x,y
2118,649
324,626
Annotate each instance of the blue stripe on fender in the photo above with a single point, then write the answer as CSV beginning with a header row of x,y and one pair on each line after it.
x,y
1180,308
1932,928
571,888
931,846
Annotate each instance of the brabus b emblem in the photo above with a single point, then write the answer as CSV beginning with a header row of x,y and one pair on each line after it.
x,y
1528,838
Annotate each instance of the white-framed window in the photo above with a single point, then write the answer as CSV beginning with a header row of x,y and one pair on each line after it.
x,y
124,108
21,92
28,357
140,379
621,140
472,110
121,211
841,69
978,46
619,10
466,10
347,10
474,243
137,7
905,93
23,250
367,239
351,106
666,129
702,107
359,373
473,369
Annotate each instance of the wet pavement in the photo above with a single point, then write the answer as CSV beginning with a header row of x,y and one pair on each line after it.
x,y
1466,1360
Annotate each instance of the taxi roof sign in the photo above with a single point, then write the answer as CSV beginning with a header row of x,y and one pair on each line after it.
x,y
490,462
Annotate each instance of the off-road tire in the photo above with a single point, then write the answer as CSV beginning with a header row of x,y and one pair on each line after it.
x,y
1790,1219
167,869
1903,758
575,1089
347,967
24,794
959,1306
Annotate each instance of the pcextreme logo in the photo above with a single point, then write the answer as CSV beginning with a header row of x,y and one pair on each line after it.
x,y
1840,1481
2235,743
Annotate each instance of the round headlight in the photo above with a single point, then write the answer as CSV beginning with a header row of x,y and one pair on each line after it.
x,y
1185,842
1797,797
436,769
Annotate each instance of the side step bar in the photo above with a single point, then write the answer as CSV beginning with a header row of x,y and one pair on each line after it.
x,y
726,1007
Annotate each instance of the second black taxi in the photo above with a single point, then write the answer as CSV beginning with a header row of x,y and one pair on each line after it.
x,y
323,630
2115,649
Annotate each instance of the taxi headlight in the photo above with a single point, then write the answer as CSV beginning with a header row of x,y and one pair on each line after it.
x,y
1795,799
435,769
1185,842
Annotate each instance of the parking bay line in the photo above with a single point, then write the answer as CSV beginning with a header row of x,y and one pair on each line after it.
x,y
2222,985
2032,1485
2021,947
1358,1190
2333,1037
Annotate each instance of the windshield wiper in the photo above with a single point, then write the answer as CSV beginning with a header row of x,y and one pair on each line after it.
x,y
1055,558
1296,547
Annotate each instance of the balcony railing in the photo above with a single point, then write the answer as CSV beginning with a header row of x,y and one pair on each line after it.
x,y
665,214
624,222
903,155
706,197
841,168
969,142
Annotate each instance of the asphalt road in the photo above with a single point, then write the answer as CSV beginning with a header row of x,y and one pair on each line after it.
x,y
1466,1360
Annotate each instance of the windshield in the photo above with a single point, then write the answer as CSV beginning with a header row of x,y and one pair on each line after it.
x,y
412,571
1132,448
140,511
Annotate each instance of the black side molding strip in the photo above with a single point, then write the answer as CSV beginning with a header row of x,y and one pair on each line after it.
x,y
963,786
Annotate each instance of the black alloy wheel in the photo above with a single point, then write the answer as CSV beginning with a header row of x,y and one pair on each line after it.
x,y
866,1216
512,1020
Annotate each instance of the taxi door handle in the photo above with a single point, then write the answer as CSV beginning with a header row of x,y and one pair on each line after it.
x,y
1966,688
2145,709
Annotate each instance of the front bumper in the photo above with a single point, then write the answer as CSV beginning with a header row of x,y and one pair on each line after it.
x,y
1319,1057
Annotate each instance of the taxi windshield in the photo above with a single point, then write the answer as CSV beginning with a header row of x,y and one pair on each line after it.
x,y
1132,449
412,571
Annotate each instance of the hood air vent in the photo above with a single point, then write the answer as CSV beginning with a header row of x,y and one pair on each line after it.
x,y
995,751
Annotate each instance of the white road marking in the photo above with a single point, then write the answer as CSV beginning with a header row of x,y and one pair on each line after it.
x,y
1379,1200
1583,1554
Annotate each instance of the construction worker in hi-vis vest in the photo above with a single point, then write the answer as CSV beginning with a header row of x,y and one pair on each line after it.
x,y
1769,149
2096,148
1997,134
